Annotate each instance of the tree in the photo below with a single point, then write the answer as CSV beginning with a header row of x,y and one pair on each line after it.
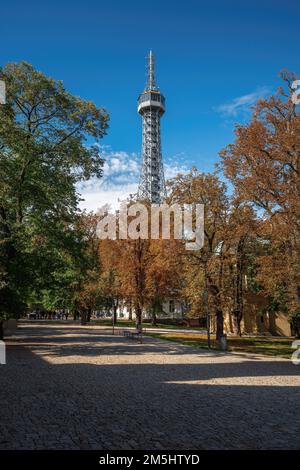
x,y
43,154
163,279
109,275
139,273
207,189
85,290
132,268
239,240
263,165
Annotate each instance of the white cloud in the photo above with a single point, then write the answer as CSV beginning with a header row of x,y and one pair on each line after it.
x,y
175,165
243,103
120,178
111,195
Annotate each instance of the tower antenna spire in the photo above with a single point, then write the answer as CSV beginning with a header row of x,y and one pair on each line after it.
x,y
151,106
151,85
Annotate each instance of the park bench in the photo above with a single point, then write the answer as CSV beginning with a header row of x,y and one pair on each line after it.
x,y
134,334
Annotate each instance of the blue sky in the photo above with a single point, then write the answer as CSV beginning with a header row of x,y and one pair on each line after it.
x,y
213,60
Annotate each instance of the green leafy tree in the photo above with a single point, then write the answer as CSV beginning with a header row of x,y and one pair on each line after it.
x,y
48,143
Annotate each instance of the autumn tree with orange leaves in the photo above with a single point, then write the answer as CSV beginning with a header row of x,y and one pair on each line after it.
x,y
206,189
263,164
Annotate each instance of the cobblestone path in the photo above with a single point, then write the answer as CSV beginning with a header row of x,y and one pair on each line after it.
x,y
67,386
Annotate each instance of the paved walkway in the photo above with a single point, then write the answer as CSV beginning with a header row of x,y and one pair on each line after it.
x,y
74,387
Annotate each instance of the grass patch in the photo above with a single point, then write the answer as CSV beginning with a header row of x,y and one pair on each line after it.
x,y
108,322
270,346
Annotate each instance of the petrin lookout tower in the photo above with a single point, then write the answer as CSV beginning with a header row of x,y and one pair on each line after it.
x,y
151,106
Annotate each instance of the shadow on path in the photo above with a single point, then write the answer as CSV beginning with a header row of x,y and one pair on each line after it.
x,y
146,399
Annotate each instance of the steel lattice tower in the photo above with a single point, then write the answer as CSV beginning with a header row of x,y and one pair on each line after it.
x,y
151,106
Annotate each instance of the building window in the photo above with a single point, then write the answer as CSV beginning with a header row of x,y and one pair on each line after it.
x,y
171,306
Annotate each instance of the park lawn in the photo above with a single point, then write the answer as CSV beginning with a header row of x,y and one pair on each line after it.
x,y
270,346
131,323
108,322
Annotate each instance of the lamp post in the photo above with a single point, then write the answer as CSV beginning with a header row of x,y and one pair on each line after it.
x,y
113,319
207,317
114,313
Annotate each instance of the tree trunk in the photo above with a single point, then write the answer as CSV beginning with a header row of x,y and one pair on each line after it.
x,y
153,320
138,318
89,314
237,317
220,324
215,294
115,313
130,312
238,290
83,315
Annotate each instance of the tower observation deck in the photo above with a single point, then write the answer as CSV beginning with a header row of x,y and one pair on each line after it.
x,y
151,106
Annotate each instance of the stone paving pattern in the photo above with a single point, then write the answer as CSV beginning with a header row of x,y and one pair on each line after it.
x,y
67,386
